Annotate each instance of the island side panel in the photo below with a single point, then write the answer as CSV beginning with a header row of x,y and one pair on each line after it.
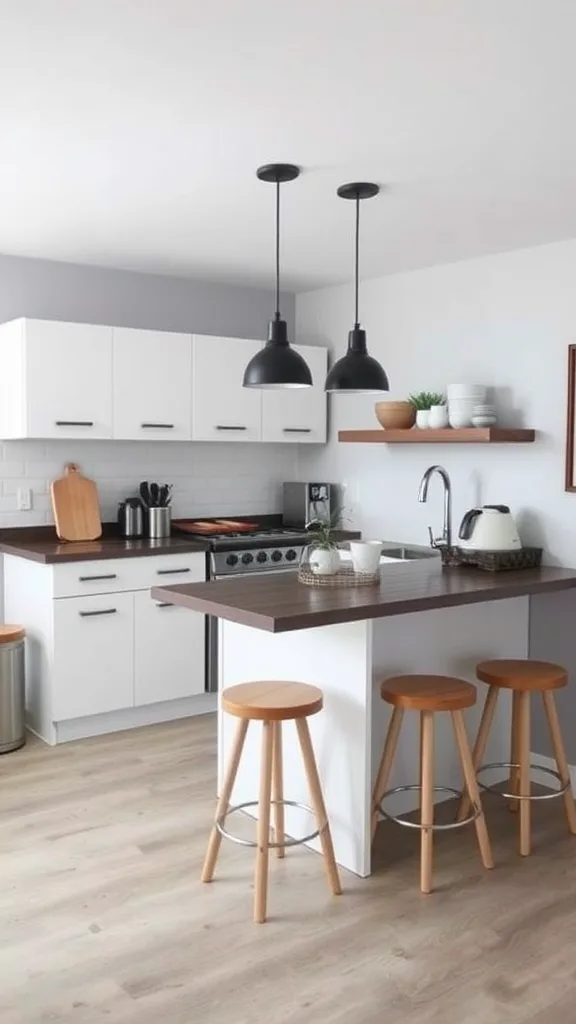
x,y
448,641
338,660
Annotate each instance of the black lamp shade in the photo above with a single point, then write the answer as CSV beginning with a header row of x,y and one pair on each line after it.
x,y
357,372
277,365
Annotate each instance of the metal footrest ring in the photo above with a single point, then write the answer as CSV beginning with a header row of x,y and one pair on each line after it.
x,y
564,786
476,810
250,842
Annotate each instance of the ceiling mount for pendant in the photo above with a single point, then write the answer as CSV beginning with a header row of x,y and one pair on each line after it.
x,y
277,365
277,174
357,372
358,190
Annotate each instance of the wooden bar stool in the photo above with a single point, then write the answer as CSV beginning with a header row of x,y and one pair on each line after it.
x,y
524,678
271,703
429,695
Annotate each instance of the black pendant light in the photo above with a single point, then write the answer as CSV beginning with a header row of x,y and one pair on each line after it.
x,y
357,372
277,365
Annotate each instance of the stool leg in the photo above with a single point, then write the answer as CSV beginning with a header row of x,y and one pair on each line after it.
x,y
427,801
515,748
388,755
524,759
222,806
560,755
318,805
480,745
263,825
473,788
278,788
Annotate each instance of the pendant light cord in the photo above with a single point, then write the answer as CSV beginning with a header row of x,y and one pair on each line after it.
x,y
277,313
356,322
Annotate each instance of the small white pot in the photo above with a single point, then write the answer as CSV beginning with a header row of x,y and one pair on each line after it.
x,y
438,417
422,418
324,562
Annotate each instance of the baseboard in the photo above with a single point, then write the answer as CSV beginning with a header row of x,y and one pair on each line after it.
x,y
134,718
548,762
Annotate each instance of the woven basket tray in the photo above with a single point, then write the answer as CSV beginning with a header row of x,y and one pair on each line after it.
x,y
492,561
343,578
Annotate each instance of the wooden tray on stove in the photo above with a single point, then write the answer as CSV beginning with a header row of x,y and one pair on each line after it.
x,y
212,527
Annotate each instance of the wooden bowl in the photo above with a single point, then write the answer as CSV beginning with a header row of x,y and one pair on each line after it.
x,y
395,415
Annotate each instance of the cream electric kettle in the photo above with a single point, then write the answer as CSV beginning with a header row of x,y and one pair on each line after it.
x,y
490,528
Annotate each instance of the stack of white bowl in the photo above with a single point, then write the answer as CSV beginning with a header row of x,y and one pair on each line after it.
x,y
484,415
463,400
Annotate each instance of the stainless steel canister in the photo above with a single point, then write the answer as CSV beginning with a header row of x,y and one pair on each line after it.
x,y
159,520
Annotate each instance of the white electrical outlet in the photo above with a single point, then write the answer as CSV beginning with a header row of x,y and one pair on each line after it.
x,y
24,499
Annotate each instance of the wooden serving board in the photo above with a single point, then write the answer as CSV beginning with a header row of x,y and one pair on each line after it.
x,y
75,506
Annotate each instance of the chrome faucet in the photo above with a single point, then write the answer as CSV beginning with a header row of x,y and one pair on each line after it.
x,y
446,539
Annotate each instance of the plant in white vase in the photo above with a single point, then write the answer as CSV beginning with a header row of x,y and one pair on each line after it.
x,y
322,552
430,409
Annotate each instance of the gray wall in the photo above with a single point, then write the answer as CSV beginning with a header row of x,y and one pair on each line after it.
x,y
66,291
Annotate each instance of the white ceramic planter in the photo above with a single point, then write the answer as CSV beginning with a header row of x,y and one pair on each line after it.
x,y
324,562
422,418
438,417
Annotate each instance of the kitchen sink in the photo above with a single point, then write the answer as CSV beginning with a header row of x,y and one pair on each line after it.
x,y
408,552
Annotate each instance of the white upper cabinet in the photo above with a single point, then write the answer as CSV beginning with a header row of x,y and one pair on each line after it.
x,y
86,381
152,385
222,409
56,379
298,414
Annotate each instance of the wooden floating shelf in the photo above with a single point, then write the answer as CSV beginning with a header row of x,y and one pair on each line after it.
x,y
467,435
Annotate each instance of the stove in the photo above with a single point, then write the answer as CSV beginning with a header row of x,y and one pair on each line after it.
x,y
259,549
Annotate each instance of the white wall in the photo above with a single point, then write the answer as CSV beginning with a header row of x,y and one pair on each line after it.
x,y
505,320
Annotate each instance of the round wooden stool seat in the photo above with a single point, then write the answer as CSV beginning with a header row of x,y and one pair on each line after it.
x,y
272,701
523,675
428,693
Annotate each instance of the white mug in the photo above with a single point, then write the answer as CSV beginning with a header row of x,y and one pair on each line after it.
x,y
366,555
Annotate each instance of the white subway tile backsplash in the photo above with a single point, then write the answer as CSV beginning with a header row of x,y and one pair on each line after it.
x,y
208,479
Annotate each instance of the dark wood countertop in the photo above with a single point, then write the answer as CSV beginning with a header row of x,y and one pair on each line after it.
x,y
279,603
42,545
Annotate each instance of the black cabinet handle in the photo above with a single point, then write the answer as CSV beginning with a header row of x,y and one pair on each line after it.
x,y
297,430
89,579
157,426
169,572
220,426
165,604
74,423
100,611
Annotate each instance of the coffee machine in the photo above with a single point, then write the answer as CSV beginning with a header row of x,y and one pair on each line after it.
x,y
305,502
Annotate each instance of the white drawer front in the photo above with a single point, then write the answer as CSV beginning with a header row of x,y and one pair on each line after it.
x,y
93,655
113,575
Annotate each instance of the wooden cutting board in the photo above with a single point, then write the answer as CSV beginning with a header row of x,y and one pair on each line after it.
x,y
75,506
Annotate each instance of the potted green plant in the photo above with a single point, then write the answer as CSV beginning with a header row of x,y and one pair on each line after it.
x,y
323,555
426,401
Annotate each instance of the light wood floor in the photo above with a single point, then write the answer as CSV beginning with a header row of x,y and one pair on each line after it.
x,y
102,917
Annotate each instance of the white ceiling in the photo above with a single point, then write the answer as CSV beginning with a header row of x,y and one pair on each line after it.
x,y
131,131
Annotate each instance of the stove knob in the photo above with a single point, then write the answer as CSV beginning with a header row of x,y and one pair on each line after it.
x,y
247,558
276,556
232,560
261,556
290,555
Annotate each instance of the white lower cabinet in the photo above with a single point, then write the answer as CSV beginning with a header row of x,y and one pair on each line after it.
x,y
169,646
99,645
93,655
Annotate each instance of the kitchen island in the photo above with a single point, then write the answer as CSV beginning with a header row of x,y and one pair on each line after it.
x,y
420,618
